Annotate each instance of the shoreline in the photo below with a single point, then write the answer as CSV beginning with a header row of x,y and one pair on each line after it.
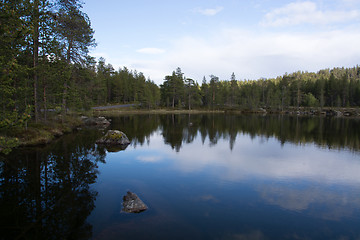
x,y
37,134
326,111
43,133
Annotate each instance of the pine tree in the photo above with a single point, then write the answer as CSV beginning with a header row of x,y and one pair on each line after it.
x,y
214,81
173,88
76,37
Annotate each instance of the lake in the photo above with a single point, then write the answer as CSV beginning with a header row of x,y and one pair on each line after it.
x,y
209,176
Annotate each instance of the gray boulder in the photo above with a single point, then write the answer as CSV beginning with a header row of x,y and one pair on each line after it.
x,y
96,121
133,204
114,137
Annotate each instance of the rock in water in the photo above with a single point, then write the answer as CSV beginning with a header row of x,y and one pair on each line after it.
x,y
114,137
133,204
99,121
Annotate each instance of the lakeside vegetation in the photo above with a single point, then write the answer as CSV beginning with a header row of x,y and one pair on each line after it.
x,y
46,72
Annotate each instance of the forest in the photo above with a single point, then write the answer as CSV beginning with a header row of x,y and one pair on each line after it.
x,y
337,87
45,67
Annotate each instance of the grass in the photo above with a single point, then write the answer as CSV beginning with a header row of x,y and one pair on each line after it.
x,y
42,132
126,111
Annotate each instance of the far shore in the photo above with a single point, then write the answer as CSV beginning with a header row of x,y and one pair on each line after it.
x,y
302,111
110,112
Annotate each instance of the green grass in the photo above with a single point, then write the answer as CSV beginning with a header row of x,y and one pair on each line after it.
x,y
118,112
39,133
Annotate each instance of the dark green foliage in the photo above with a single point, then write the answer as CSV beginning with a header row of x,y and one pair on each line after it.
x,y
192,93
151,97
124,86
38,57
338,87
172,90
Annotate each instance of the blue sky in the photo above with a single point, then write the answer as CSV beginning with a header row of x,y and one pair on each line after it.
x,y
253,39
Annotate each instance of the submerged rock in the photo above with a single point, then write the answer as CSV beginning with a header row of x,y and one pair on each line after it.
x,y
114,137
115,148
133,204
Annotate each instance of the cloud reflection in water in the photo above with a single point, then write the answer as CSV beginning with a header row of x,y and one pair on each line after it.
x,y
276,167
270,160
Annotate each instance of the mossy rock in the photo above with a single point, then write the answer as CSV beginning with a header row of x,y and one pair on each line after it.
x,y
114,137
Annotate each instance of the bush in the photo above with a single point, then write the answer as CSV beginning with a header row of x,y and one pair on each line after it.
x,y
310,100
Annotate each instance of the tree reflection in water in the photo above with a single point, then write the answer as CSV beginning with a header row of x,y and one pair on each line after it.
x,y
45,193
179,129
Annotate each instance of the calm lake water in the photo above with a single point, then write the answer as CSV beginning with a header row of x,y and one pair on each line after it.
x,y
202,177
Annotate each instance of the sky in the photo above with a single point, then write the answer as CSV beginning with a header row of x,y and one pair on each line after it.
x,y
252,38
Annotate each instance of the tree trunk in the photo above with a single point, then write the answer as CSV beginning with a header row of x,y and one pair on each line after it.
x,y
298,98
108,91
68,59
213,98
64,100
36,56
189,101
45,102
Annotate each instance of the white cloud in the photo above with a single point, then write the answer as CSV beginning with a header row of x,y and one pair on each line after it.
x,y
337,205
151,50
254,55
151,159
250,54
209,11
306,12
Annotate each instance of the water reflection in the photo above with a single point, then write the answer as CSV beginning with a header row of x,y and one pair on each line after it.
x,y
272,161
318,157
177,130
316,176
203,176
45,192
335,204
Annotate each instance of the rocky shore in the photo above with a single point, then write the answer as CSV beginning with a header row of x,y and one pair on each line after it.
x,y
329,112
44,132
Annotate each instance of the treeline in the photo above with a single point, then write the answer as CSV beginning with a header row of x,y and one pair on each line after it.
x,y
338,87
45,64
125,86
